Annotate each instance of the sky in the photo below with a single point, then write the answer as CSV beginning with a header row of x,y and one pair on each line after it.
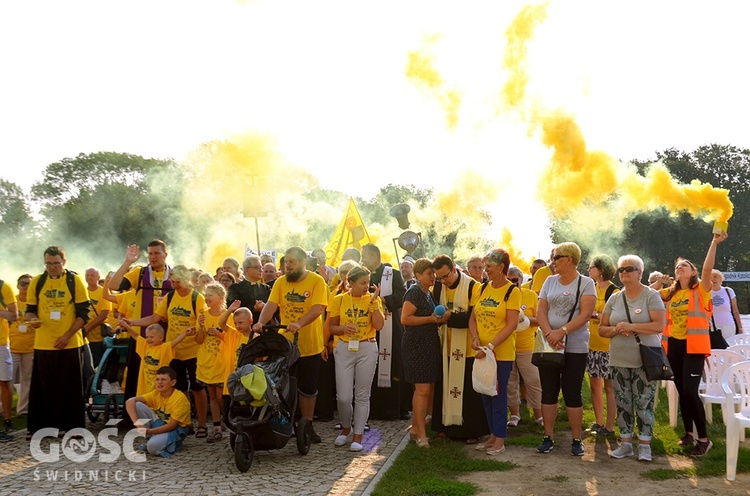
x,y
326,82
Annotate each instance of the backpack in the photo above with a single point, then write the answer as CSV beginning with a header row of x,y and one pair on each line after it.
x,y
610,289
507,293
70,280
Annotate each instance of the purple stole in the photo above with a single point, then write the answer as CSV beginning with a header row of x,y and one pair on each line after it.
x,y
147,294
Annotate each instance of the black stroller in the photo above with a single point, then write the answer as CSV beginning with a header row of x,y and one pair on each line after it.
x,y
264,421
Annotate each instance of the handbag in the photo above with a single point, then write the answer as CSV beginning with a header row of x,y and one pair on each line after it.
x,y
105,329
655,361
717,338
484,374
544,354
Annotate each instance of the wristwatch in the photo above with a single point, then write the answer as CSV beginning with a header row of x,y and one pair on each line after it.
x,y
565,329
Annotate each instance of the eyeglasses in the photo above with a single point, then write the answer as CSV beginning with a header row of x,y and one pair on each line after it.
x,y
258,267
52,264
443,278
558,257
24,283
629,268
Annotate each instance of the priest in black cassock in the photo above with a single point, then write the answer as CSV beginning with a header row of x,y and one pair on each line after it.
x,y
391,396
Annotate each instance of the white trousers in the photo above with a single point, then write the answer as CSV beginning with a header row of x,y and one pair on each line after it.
x,y
354,374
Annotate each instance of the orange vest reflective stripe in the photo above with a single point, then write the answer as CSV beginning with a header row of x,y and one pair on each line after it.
x,y
698,339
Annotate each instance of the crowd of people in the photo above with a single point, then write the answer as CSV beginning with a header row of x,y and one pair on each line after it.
x,y
375,342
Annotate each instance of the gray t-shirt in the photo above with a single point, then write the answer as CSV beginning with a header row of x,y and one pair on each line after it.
x,y
623,350
560,300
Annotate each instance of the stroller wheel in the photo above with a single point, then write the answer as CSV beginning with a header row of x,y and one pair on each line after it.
x,y
243,452
304,435
92,415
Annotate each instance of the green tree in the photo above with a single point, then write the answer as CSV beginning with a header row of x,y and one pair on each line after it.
x,y
14,210
106,200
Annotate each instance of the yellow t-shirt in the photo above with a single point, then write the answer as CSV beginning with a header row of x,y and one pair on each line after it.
x,y
230,349
99,304
21,333
525,339
132,277
152,359
114,313
177,406
55,311
596,342
678,309
295,299
179,317
540,276
211,366
358,311
490,315
450,295
8,299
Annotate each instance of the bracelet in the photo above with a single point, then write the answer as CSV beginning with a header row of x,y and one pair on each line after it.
x,y
490,345
477,337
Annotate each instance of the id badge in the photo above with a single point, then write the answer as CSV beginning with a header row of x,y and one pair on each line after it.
x,y
353,345
54,315
22,328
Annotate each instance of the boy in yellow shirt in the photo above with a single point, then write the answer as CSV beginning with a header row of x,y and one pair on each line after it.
x,y
234,337
154,355
166,409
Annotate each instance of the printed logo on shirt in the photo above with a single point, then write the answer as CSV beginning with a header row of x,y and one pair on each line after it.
x,y
490,302
54,293
294,297
151,361
180,312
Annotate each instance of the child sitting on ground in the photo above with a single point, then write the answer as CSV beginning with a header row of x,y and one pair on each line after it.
x,y
167,414
153,352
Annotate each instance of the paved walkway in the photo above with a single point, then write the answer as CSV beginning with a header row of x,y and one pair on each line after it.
x,y
203,468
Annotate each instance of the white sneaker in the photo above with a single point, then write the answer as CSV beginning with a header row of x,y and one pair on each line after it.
x,y
644,452
356,447
340,440
106,387
625,449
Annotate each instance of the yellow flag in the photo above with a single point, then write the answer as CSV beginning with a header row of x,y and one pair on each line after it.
x,y
350,233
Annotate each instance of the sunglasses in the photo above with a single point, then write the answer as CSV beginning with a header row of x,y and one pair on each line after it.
x,y
629,268
558,257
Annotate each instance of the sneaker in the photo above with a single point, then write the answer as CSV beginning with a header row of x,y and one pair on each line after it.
x,y
341,439
687,440
594,428
644,452
8,425
540,421
546,446
701,448
106,387
626,449
315,438
4,437
604,432
142,448
493,452
576,448
356,447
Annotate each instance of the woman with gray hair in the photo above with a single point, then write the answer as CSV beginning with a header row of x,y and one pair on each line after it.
x,y
636,314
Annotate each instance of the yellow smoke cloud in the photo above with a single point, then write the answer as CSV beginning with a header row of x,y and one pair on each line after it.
x,y
517,257
576,176
421,69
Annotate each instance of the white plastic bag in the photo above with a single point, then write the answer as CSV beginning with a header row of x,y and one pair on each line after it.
x,y
484,373
523,323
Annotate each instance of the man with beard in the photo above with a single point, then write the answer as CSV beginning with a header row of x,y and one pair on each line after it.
x,y
300,296
151,284
391,396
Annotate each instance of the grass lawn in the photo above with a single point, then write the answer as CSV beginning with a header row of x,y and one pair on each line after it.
x,y
433,471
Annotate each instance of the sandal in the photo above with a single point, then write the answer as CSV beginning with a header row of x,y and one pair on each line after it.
x,y
215,437
413,437
423,442
201,432
472,440
513,421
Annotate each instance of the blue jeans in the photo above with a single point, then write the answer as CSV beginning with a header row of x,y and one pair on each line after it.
x,y
496,407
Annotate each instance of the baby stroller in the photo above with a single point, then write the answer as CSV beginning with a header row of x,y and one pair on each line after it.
x,y
263,399
110,403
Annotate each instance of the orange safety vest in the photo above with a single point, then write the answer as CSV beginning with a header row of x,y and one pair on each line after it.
x,y
698,339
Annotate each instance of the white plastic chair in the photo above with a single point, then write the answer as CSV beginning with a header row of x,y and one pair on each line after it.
x,y
742,349
738,339
713,370
736,382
